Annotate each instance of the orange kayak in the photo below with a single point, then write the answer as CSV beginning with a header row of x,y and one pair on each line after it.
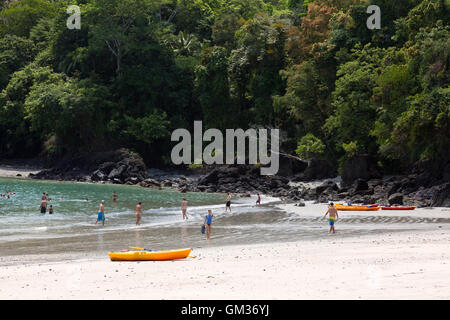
x,y
149,255
340,207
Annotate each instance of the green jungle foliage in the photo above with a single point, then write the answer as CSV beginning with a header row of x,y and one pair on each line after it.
x,y
139,69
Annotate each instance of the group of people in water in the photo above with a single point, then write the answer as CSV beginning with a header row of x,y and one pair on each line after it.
x,y
45,199
207,222
7,195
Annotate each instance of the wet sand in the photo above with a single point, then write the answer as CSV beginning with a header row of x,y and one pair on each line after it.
x,y
401,265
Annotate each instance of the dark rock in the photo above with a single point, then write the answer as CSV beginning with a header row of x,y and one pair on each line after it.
x,y
106,167
290,166
318,169
396,198
359,167
360,185
441,195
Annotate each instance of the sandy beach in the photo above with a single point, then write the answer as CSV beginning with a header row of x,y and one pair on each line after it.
x,y
405,265
12,171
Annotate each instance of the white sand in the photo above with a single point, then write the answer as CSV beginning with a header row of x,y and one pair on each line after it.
x,y
406,265
7,171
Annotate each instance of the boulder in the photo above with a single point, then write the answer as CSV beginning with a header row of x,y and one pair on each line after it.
x,y
441,195
396,198
360,185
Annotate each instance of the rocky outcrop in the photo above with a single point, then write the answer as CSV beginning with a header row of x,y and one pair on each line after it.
x,y
364,185
120,166
317,169
441,195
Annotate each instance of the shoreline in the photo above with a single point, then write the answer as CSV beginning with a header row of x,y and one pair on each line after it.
x,y
399,265
13,171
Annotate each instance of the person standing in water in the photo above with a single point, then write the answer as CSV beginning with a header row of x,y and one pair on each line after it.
x,y
101,213
258,201
50,210
333,215
208,223
228,204
44,205
138,213
184,208
114,197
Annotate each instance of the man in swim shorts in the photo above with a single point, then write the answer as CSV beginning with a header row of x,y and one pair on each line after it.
x,y
44,205
208,223
333,215
138,213
184,208
228,204
101,213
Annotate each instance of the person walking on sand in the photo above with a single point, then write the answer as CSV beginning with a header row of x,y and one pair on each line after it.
x,y
258,201
114,197
184,208
333,215
228,204
208,223
101,213
138,213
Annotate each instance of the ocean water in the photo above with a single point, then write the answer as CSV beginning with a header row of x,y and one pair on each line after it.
x,y
28,236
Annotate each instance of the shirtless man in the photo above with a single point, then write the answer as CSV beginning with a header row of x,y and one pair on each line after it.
x,y
184,208
228,204
333,215
44,205
101,213
138,213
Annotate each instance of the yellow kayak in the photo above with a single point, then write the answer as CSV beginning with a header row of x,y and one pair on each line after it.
x,y
356,208
149,255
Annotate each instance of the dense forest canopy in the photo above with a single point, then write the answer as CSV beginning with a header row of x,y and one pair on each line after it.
x,y
138,69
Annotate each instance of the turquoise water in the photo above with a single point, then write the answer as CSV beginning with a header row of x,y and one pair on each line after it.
x,y
71,229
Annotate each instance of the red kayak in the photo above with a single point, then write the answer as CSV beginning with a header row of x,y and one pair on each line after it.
x,y
398,208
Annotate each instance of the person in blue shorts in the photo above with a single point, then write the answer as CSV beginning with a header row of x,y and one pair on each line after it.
x,y
208,223
101,213
333,215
